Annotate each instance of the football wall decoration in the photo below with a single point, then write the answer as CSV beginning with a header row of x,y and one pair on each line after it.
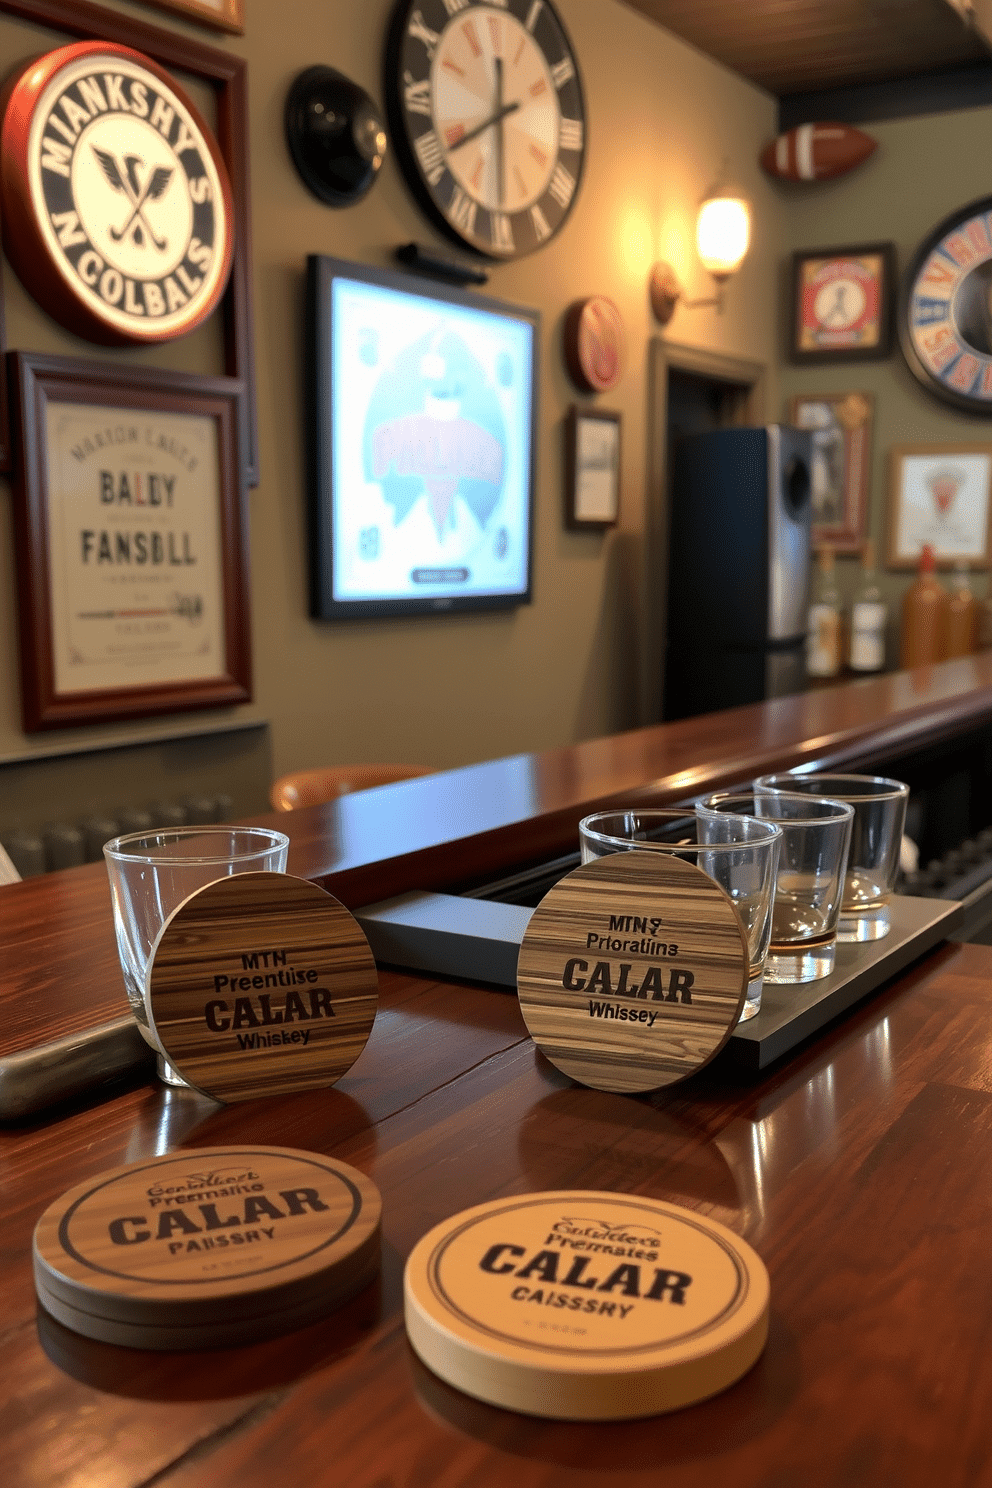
x,y
117,209
816,152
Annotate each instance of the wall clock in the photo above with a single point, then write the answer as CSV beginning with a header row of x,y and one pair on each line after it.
x,y
117,210
945,318
485,106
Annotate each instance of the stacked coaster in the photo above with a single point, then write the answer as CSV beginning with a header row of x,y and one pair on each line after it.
x,y
586,1306
208,1248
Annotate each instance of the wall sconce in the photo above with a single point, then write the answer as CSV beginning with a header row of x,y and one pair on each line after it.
x,y
723,235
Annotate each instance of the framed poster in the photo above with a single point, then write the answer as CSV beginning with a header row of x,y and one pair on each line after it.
x,y
592,468
220,15
131,537
939,494
841,427
842,303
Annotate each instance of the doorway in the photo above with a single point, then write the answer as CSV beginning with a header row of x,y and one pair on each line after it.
x,y
689,391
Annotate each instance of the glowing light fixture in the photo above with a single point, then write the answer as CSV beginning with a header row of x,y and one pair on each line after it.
x,y
723,236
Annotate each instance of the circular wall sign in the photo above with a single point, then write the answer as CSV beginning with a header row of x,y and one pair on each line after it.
x,y
117,210
594,344
945,320
633,971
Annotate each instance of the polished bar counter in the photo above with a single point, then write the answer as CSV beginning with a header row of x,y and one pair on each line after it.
x,y
857,1168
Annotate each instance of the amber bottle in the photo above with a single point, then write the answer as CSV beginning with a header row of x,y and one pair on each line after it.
x,y
924,615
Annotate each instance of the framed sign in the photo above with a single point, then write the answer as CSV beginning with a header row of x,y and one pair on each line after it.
x,y
227,75
220,15
592,468
132,542
842,303
939,494
841,427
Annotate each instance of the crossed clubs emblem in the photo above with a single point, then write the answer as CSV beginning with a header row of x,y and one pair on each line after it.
x,y
126,181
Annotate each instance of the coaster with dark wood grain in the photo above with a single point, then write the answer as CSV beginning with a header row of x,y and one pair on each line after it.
x,y
261,984
633,971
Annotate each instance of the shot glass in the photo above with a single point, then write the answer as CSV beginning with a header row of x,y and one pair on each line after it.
x,y
816,836
738,853
151,873
876,835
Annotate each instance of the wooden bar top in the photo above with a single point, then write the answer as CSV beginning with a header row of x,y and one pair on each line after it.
x,y
858,1169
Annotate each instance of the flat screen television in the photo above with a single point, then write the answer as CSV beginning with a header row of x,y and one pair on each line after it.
x,y
422,419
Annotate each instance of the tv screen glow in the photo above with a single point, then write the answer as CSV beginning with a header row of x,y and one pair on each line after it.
x,y
422,418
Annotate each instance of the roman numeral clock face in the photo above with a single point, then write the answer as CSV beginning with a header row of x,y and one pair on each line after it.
x,y
486,110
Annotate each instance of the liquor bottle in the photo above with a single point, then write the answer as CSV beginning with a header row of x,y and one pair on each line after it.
x,y
869,615
823,650
962,615
924,615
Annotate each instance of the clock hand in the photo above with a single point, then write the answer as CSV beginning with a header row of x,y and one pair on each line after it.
x,y
500,163
508,108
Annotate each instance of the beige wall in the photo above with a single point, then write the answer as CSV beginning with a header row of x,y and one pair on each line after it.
x,y
923,169
446,691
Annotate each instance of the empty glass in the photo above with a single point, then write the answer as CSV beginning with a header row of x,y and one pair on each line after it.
x,y
738,853
816,835
152,873
876,835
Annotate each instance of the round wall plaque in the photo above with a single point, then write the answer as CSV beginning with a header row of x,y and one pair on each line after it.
x,y
261,984
633,971
586,1306
594,344
117,210
207,1248
945,323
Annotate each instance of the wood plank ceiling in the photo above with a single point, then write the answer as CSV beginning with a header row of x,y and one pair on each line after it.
x,y
804,46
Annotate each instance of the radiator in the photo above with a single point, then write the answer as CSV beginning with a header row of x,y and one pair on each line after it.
x,y
68,843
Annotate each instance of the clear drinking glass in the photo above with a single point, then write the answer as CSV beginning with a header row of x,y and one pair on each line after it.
x,y
816,835
151,873
876,836
738,853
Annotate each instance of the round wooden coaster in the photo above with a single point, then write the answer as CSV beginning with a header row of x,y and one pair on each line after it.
x,y
586,1306
207,1248
633,971
261,984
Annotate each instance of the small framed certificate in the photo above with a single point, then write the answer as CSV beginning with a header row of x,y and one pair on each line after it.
x,y
592,468
132,544
939,494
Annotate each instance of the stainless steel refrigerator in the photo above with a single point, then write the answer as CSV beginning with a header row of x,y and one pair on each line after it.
x,y
738,568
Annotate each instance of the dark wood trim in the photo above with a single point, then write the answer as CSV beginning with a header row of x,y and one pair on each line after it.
x,y
891,98
36,380
227,74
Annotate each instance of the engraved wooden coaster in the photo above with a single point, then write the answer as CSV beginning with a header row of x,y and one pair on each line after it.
x,y
207,1248
261,984
586,1306
633,971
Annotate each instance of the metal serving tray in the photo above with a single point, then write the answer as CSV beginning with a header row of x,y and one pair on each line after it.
x,y
478,939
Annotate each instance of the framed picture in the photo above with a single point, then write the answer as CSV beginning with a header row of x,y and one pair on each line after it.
x,y
939,494
227,75
592,468
221,15
842,303
841,426
131,537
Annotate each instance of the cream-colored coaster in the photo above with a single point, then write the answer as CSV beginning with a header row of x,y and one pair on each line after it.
x,y
586,1306
261,984
208,1248
633,971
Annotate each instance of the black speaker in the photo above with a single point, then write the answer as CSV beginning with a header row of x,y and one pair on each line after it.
x,y
738,567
